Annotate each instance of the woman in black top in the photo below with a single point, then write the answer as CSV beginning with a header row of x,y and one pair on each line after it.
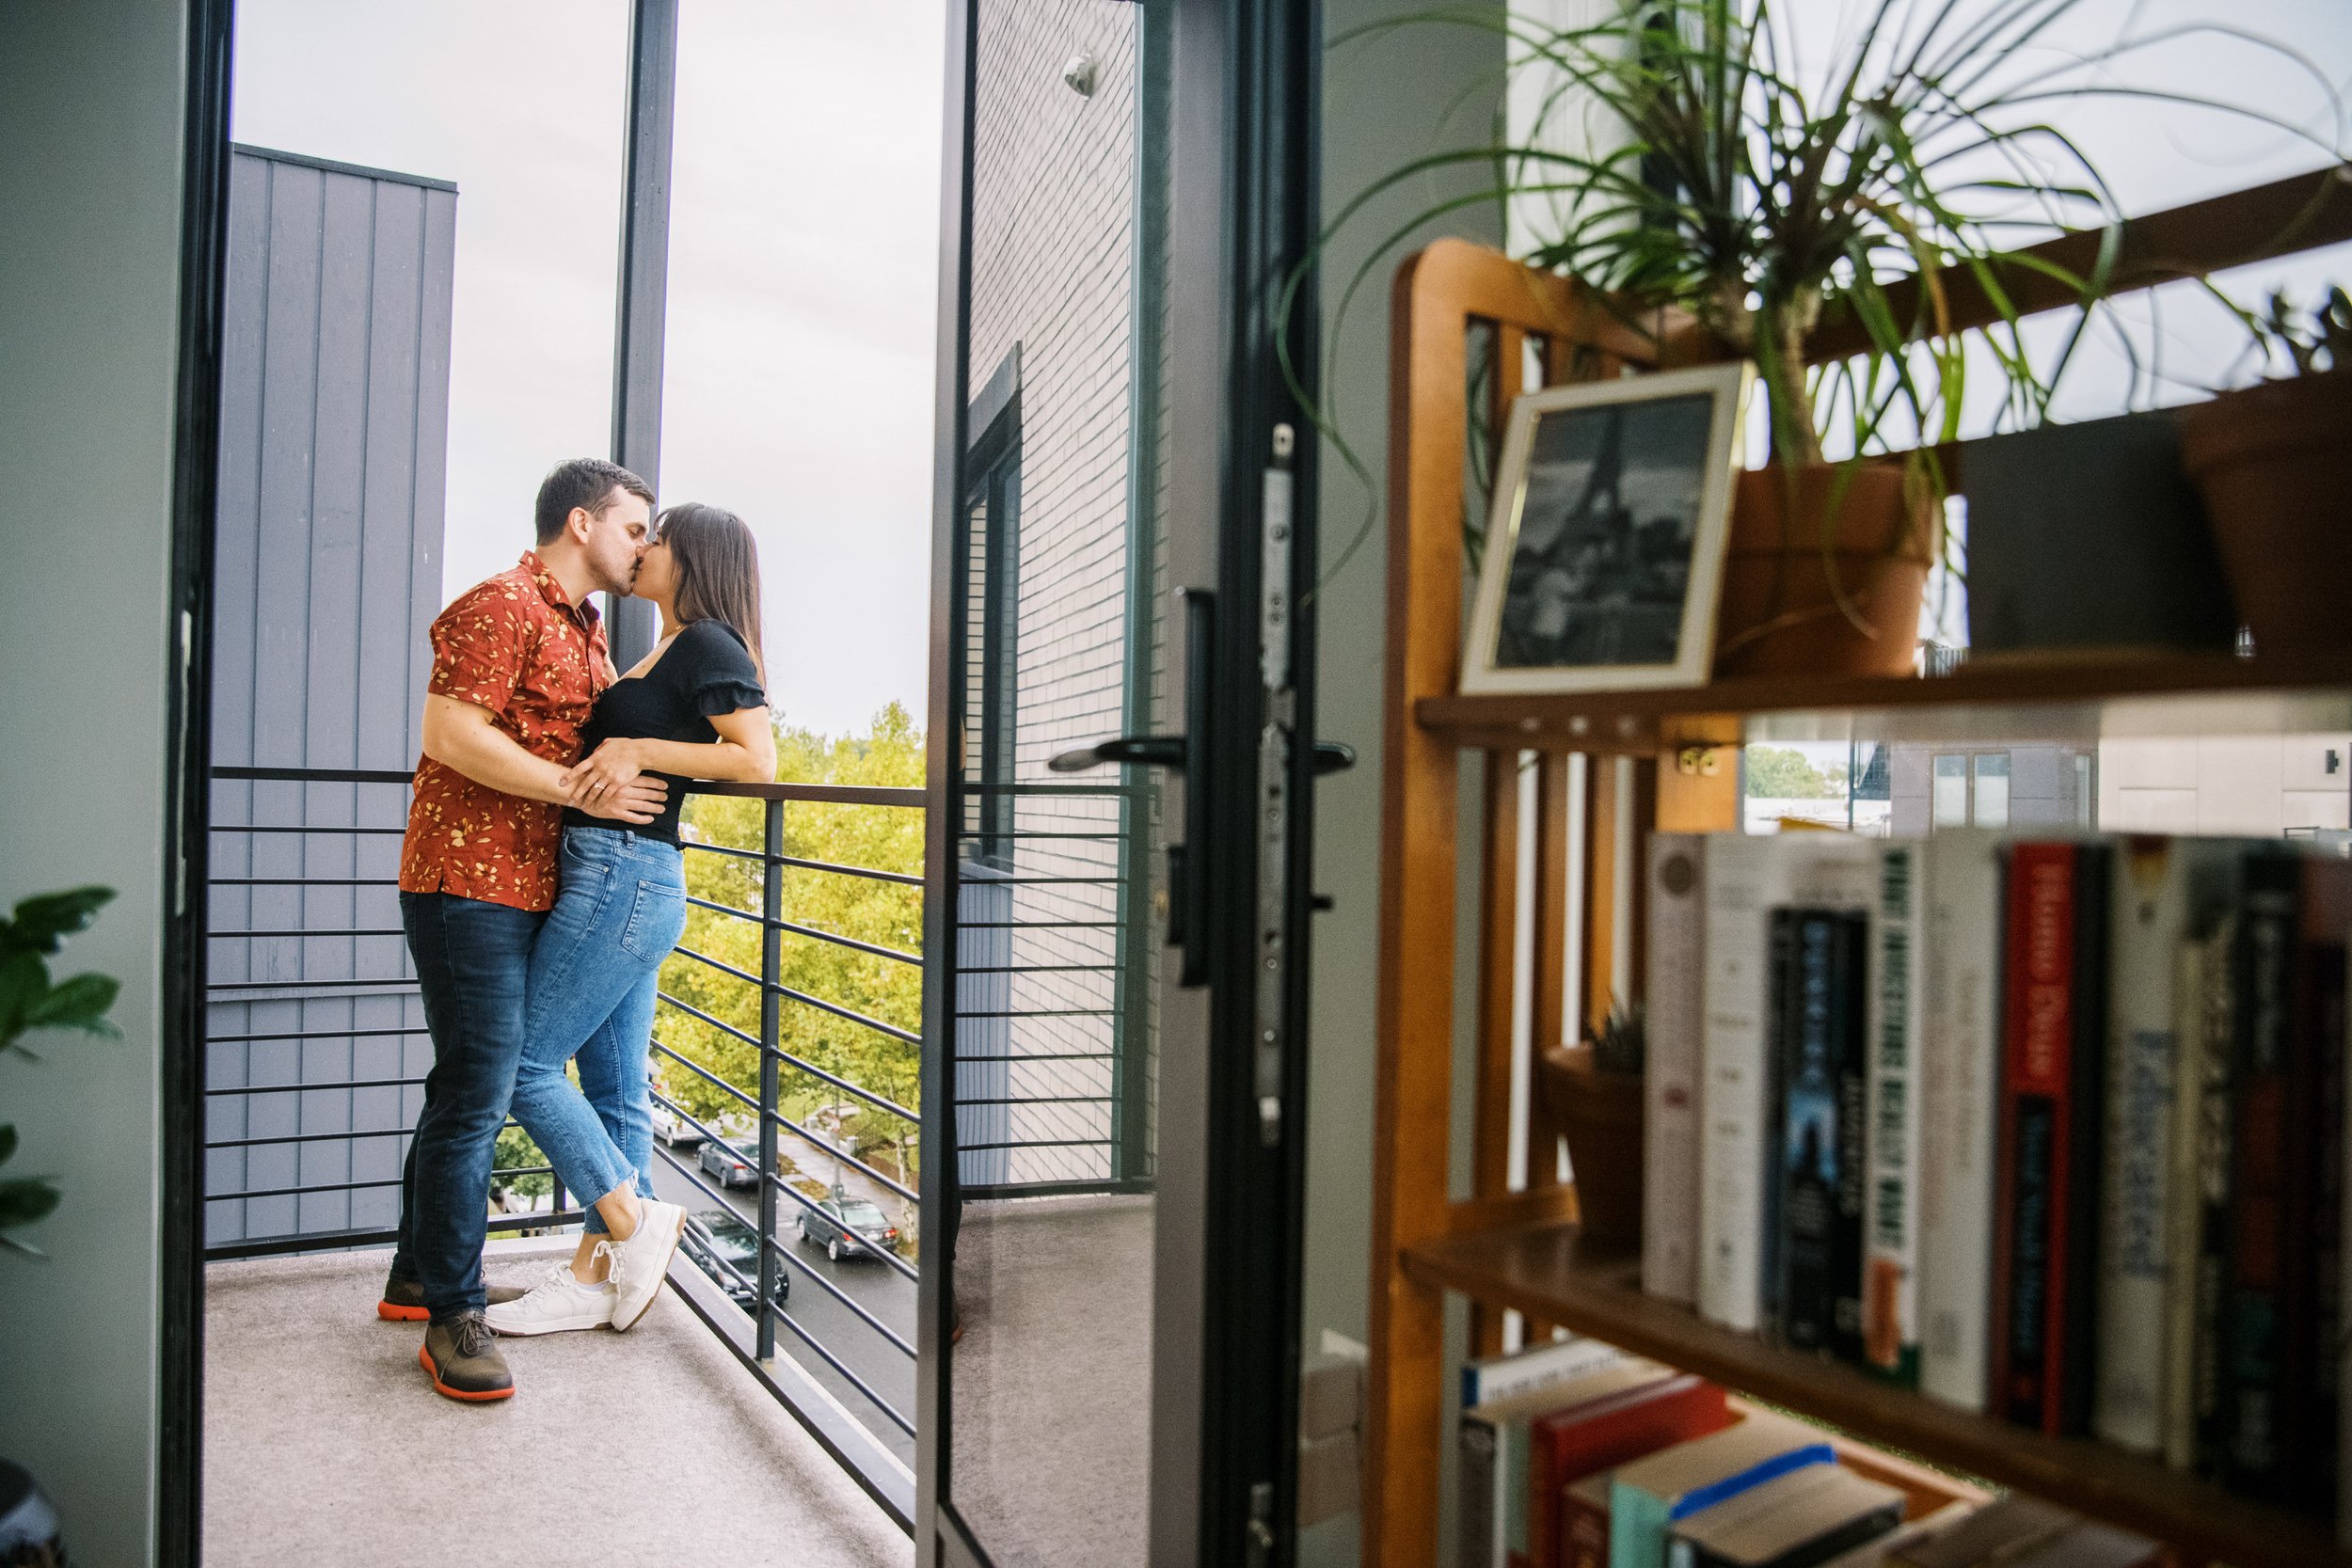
x,y
693,708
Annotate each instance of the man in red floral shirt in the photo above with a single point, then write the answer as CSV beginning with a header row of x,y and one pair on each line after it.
x,y
517,663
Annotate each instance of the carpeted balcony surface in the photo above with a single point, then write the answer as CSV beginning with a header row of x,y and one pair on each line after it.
x,y
325,1444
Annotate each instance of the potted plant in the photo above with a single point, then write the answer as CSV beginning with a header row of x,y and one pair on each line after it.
x,y
1594,1089
1720,188
30,1001
2269,461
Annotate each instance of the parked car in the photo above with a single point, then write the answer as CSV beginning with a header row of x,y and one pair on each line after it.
x,y
837,1215
735,1162
719,1236
675,1129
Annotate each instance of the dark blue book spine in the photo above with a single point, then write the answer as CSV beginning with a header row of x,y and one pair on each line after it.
x,y
1809,1143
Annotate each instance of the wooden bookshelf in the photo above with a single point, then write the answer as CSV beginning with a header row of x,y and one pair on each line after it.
x,y
1545,1272
2160,693
1611,769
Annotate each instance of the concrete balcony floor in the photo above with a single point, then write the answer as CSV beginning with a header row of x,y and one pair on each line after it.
x,y
324,1443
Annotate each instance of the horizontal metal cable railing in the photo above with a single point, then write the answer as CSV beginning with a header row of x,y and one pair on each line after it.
x,y
1050,1053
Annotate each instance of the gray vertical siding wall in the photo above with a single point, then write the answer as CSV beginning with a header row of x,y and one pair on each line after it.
x,y
1052,254
334,439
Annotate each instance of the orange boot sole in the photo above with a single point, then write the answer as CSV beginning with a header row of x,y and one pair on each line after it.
x,y
392,1314
424,1359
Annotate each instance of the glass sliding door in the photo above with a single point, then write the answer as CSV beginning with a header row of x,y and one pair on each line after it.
x,y
1118,794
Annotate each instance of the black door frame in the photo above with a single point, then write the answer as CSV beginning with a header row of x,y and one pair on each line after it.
x,y
1242,159
187,719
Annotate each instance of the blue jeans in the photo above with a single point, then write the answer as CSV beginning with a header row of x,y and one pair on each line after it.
x,y
620,908
473,965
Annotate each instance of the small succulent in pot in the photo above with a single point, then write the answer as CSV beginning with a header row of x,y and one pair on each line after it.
x,y
1621,1045
1593,1090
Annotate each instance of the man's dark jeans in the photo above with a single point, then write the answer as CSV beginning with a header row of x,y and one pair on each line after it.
x,y
473,965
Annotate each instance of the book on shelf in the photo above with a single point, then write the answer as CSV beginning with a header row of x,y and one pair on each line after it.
x,y
2287,1056
1890,1282
1493,1439
1959,1079
1522,1372
2053,1041
1816,1025
1673,1022
2195,1439
1647,1496
2005,1525
1568,1445
1746,878
2165,891
1879,1552
1584,1521
1793,1521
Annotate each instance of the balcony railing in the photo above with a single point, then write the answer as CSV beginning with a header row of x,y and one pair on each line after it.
x,y
317,1053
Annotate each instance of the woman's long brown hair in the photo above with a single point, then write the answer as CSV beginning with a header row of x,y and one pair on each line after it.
x,y
718,570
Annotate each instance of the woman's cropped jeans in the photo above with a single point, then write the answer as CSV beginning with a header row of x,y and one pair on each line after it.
x,y
620,908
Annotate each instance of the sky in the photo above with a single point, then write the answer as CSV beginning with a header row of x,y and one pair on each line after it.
x,y
801,333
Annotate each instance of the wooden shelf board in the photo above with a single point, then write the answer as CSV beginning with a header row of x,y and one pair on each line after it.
x,y
1718,712
1547,1273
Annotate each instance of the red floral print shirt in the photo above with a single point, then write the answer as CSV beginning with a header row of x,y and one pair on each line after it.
x,y
518,646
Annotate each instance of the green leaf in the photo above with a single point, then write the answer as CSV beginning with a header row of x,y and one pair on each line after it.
x,y
27,1199
80,1003
7,1142
42,923
24,979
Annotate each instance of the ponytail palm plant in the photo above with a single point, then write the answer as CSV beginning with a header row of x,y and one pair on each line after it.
x,y
1694,157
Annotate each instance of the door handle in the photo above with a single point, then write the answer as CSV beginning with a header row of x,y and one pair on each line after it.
x,y
1154,751
1188,862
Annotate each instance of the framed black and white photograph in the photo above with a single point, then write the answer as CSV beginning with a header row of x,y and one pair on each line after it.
x,y
1605,550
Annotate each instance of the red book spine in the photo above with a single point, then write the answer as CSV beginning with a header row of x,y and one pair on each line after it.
x,y
2037,1056
1569,1445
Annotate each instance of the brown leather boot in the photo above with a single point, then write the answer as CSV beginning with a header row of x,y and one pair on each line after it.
x,y
462,1358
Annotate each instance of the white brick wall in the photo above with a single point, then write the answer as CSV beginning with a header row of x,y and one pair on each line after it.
x,y
1052,271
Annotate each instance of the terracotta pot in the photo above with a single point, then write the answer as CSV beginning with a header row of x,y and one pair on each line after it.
x,y
1600,1113
2269,461
1780,613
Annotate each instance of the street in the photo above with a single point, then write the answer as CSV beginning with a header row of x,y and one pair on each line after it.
x,y
876,1287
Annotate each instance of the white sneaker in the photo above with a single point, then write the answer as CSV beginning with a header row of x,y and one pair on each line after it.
x,y
556,1303
641,1263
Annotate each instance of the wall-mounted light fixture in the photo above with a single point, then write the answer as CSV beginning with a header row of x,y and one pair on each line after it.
x,y
1080,74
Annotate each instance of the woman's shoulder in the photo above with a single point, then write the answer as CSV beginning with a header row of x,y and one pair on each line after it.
x,y
712,635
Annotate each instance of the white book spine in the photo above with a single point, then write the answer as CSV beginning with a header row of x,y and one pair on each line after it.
x,y
1959,1072
1746,878
1743,882
2149,914
1506,1377
1673,1016
1890,1306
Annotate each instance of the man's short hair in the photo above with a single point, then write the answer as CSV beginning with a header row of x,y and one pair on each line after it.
x,y
586,481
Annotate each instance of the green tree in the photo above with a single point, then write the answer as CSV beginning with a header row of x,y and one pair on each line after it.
x,y
1782,774
877,913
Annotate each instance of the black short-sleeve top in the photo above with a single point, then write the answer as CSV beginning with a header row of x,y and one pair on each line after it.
x,y
708,670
